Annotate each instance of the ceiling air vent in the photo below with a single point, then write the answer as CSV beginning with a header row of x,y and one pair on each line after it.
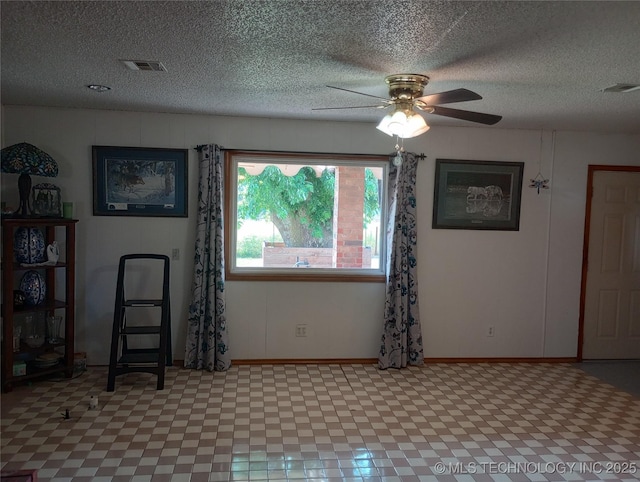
x,y
622,88
146,65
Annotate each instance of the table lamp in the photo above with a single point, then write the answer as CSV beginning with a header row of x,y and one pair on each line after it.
x,y
26,159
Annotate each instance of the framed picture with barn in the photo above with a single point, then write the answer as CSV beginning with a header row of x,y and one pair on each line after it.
x,y
477,195
139,181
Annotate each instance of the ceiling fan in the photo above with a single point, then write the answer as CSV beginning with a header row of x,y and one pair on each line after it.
x,y
406,93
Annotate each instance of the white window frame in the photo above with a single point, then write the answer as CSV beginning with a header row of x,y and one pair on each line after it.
x,y
234,272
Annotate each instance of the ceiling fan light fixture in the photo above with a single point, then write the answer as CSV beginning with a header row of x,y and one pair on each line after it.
x,y
384,125
404,124
415,126
398,122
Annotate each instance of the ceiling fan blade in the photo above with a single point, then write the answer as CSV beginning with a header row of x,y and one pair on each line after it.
x,y
449,97
353,107
480,118
360,93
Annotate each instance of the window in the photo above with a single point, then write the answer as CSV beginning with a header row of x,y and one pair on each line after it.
x,y
304,216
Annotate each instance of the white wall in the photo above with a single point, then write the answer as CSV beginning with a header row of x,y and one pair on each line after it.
x,y
526,283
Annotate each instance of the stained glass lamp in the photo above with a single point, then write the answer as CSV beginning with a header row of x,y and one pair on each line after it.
x,y
26,159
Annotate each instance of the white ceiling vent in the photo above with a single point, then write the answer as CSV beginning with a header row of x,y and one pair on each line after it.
x,y
146,65
622,88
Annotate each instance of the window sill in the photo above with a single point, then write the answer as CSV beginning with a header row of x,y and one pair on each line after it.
x,y
312,277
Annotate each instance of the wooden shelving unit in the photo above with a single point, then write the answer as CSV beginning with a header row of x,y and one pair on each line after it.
x,y
55,303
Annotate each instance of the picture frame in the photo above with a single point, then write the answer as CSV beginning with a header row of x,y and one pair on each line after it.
x,y
139,181
473,194
46,200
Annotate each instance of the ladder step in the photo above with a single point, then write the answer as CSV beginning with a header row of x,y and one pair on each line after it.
x,y
140,330
142,303
139,357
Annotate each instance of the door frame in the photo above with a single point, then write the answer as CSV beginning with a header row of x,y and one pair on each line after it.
x,y
585,248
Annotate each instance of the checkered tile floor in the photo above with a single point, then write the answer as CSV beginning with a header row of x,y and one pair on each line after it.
x,y
442,422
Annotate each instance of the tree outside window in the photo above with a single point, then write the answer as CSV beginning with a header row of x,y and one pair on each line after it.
x,y
313,212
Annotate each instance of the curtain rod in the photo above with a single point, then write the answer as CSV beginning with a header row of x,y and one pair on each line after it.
x,y
201,146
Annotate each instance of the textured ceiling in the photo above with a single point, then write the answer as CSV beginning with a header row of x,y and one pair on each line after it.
x,y
538,64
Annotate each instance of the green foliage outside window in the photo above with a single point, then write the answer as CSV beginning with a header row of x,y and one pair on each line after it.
x,y
249,247
300,206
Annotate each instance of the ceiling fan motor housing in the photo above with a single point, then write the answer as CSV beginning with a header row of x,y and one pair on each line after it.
x,y
406,87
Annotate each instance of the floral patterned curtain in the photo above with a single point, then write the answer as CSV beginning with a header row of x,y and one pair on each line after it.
x,y
207,336
402,334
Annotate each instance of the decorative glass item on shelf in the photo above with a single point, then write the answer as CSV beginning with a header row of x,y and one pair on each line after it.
x,y
53,329
32,334
29,245
46,200
17,333
34,287
67,210
19,299
47,360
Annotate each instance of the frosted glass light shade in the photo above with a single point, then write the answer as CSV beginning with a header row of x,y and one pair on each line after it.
x,y
415,126
402,125
384,125
398,122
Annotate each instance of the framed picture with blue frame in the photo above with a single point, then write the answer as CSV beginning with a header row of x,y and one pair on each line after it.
x,y
139,181
477,195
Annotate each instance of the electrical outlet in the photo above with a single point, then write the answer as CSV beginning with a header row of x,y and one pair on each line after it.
x,y
175,254
491,330
301,330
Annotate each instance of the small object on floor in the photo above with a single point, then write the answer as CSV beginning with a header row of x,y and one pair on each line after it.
x,y
93,403
66,415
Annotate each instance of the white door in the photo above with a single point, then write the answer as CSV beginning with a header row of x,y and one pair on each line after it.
x,y
612,296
